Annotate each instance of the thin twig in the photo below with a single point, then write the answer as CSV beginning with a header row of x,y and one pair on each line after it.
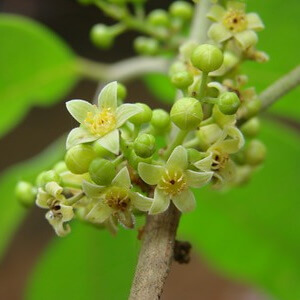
x,y
124,70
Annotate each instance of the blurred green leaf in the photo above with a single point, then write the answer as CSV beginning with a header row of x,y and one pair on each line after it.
x,y
253,233
36,68
11,211
87,264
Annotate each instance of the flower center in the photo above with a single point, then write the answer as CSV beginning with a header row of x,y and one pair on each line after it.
x,y
220,160
101,123
235,20
117,198
173,182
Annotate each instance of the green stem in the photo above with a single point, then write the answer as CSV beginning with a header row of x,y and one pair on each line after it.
x,y
203,85
177,141
210,100
207,121
191,143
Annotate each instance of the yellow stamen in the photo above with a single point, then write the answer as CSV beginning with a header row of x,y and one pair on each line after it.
x,y
235,20
220,160
173,182
117,199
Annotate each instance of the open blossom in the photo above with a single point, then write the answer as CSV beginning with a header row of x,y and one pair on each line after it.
x,y
173,182
60,211
116,201
100,123
233,22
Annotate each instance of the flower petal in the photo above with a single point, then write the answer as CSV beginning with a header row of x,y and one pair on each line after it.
x,y
54,190
79,109
79,135
204,164
219,33
198,179
246,38
125,111
160,202
140,201
111,142
151,174
216,13
126,218
234,144
255,22
185,201
99,213
108,96
178,158
122,179
42,198
236,5
92,190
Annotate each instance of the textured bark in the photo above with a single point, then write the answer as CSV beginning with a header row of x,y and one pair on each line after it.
x,y
156,255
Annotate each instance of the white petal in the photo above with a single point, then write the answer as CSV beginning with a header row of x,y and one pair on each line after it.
x,y
140,201
254,22
178,158
125,111
205,163
198,179
219,33
246,38
108,96
160,202
122,179
111,142
216,13
126,218
151,174
99,213
185,201
79,109
92,190
235,143
54,189
79,135
42,198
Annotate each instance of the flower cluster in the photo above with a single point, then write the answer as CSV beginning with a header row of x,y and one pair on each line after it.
x,y
115,167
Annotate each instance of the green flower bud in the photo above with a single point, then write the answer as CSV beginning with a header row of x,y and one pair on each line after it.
x,y
47,176
255,153
144,145
102,36
207,58
186,113
160,119
253,107
158,17
146,46
182,80
101,151
251,127
79,157
229,103
102,171
121,91
194,155
25,193
142,117
134,160
176,67
60,167
182,10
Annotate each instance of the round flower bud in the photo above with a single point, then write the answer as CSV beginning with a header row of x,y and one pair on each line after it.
x,y
158,17
146,46
144,145
182,80
60,167
177,66
25,193
207,58
121,91
102,171
182,10
255,153
101,151
229,103
134,160
47,176
253,107
102,36
186,113
251,127
142,117
160,119
79,157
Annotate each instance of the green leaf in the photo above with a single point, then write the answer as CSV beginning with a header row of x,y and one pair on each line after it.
x,y
11,211
161,87
36,68
87,264
253,233
283,48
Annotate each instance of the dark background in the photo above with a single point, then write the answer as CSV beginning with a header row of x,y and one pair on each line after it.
x,y
72,22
